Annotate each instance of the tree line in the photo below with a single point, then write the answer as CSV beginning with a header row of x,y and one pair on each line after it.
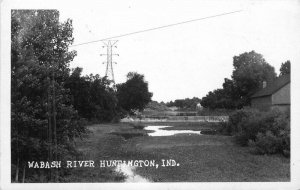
x,y
250,69
50,102
185,104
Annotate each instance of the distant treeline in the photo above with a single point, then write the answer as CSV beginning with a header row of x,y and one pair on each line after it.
x,y
187,103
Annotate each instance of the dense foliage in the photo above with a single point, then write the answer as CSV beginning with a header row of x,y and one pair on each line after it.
x,y
42,115
250,70
285,68
266,132
92,96
133,95
50,104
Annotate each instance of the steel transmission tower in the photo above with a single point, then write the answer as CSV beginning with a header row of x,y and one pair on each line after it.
x,y
109,72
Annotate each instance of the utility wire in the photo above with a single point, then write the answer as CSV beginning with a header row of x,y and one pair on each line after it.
x,y
156,28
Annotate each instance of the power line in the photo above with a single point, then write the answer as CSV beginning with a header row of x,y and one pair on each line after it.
x,y
156,28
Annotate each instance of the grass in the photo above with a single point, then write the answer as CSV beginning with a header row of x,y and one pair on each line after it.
x,y
138,125
202,158
211,158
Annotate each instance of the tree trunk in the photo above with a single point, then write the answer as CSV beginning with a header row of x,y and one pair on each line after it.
x,y
17,172
49,127
24,168
54,124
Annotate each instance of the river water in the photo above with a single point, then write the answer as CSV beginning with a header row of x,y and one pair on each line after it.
x,y
159,131
129,171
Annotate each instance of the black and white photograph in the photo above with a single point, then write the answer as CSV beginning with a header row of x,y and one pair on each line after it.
x,y
167,94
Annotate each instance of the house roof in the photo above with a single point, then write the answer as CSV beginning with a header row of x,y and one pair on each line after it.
x,y
274,86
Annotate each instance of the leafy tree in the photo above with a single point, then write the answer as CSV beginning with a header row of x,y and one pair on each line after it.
x,y
80,90
103,99
92,96
231,95
214,99
285,68
225,98
133,95
39,100
250,70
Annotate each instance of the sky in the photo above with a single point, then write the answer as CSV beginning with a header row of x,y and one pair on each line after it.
x,y
187,60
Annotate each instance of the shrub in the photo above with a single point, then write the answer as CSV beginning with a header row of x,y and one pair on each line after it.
x,y
251,125
237,117
269,143
265,132
138,126
282,124
247,130
224,128
285,143
266,143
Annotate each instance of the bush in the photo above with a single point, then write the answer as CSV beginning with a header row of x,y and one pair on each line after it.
x,y
266,143
138,126
266,132
269,143
242,138
224,128
232,127
285,144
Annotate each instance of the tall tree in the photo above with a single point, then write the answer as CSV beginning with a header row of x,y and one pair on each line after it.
x,y
250,70
133,95
42,114
285,68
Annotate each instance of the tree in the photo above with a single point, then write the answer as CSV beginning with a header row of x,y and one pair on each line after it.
x,y
250,70
103,99
231,95
44,122
133,95
224,98
285,68
214,99
80,92
92,96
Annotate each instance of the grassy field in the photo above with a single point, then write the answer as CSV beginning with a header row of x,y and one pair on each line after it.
x,y
202,158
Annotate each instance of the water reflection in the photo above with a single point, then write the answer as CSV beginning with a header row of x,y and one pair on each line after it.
x,y
159,131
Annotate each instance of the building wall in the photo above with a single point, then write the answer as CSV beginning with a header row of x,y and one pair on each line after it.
x,y
262,103
282,96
